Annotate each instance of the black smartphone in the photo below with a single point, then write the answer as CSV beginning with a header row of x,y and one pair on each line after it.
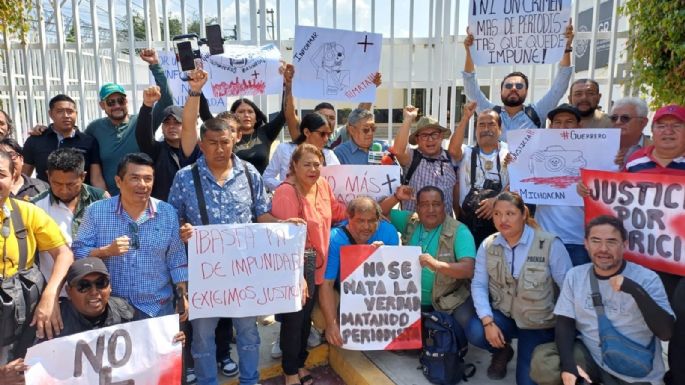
x,y
214,39
186,56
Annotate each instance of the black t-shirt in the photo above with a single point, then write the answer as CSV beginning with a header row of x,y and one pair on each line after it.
x,y
37,149
255,148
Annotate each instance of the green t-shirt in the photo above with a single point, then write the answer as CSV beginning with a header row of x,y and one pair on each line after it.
x,y
464,247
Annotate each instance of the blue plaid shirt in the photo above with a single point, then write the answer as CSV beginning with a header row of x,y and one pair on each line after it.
x,y
230,203
143,275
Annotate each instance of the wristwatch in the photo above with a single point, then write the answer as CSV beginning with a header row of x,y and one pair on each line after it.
x,y
193,93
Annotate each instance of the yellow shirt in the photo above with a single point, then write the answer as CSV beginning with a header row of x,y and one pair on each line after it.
x,y
42,234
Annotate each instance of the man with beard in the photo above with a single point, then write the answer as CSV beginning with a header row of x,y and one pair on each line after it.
x,y
67,198
633,300
585,97
166,154
514,89
62,133
115,133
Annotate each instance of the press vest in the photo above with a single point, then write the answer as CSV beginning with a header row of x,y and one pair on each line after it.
x,y
448,293
530,299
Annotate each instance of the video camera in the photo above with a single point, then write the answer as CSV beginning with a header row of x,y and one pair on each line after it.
x,y
188,48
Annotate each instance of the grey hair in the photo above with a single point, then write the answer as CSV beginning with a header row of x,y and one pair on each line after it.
x,y
357,115
362,204
640,105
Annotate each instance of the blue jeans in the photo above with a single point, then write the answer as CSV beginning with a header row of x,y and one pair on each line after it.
x,y
528,340
204,350
578,254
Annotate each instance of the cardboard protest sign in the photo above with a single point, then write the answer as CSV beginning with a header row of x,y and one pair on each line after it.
x,y
380,297
546,163
652,208
334,64
138,352
179,87
518,31
242,270
351,181
245,70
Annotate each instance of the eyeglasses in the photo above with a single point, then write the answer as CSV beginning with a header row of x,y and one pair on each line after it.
x,y
663,126
84,285
114,101
623,118
519,86
368,129
133,241
429,135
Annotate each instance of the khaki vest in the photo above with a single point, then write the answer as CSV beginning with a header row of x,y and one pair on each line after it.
x,y
448,293
530,299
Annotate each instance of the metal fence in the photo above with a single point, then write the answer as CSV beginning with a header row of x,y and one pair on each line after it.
x,y
74,46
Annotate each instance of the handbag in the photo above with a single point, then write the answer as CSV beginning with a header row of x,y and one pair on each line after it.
x,y
620,353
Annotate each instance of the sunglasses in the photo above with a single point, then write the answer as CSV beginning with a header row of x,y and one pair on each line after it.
x,y
519,86
368,129
623,118
133,240
324,134
84,285
114,101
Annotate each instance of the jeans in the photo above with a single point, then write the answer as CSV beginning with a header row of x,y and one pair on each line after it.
x,y
528,340
675,289
223,334
204,350
578,254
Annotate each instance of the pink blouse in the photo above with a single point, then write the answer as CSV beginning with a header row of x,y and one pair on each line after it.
x,y
288,203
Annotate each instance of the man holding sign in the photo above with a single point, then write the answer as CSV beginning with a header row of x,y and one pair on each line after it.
x,y
514,89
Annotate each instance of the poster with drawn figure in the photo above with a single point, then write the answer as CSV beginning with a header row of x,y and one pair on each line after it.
x,y
508,32
333,64
140,352
242,270
546,164
176,79
351,181
652,209
380,297
245,70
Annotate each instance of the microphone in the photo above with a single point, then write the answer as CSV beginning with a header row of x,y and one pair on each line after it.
x,y
375,153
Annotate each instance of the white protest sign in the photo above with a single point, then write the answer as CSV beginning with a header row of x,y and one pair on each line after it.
x,y
518,31
380,297
546,163
179,88
242,270
138,352
350,181
245,70
334,64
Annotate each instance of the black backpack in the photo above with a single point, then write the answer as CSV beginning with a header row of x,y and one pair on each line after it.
x,y
416,160
528,110
442,356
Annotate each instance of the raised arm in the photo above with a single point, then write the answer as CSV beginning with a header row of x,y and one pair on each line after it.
x,y
150,56
145,133
197,80
471,88
402,151
468,61
377,80
457,139
289,102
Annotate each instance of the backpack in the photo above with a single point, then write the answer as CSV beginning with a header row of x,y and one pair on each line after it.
x,y
442,356
528,110
416,160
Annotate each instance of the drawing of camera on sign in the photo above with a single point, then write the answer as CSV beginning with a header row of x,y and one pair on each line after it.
x,y
328,60
556,161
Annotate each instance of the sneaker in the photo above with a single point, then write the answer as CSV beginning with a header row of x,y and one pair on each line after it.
x,y
314,339
498,363
228,367
190,376
276,352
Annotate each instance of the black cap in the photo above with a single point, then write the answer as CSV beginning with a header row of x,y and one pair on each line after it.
x,y
175,111
564,108
82,267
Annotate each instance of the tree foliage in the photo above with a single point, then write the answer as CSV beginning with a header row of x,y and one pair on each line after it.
x,y
657,41
14,17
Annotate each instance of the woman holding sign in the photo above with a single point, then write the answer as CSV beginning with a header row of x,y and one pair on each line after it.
x,y
513,287
315,130
308,196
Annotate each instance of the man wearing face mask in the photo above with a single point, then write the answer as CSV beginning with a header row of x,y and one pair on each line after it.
x,y
514,89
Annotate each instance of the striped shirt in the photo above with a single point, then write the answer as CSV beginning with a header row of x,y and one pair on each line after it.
x,y
437,171
643,160
142,275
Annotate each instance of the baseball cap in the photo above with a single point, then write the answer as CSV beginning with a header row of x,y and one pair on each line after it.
x,y
175,111
565,107
82,267
674,110
109,89
428,122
